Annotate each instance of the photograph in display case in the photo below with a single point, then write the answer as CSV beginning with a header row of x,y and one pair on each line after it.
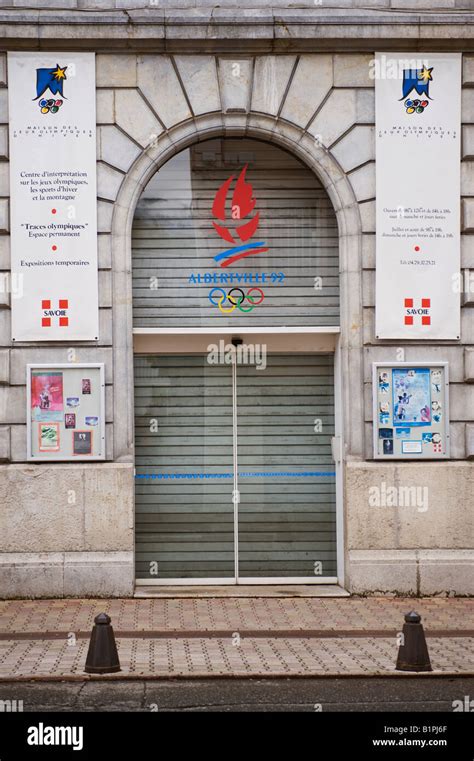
x,y
82,442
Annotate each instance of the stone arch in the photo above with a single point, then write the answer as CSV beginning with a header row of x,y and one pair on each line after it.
x,y
304,146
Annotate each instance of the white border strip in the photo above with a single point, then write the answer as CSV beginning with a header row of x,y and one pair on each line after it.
x,y
229,581
230,329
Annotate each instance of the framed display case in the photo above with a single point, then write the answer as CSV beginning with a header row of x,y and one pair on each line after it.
x,y
65,412
410,410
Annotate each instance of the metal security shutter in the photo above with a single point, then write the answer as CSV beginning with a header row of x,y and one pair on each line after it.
x,y
173,240
287,511
183,451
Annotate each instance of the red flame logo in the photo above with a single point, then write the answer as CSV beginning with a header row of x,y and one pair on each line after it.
x,y
243,204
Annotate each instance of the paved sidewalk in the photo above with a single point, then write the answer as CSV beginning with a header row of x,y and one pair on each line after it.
x,y
195,637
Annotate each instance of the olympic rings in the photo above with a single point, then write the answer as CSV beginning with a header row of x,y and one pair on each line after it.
x,y
260,292
236,302
242,296
50,105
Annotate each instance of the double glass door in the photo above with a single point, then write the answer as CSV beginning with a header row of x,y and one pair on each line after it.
x,y
235,481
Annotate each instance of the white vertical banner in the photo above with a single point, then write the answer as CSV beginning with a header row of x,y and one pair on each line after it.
x,y
418,185
53,198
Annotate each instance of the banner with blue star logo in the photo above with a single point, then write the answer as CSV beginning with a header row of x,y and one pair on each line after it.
x,y
53,171
418,196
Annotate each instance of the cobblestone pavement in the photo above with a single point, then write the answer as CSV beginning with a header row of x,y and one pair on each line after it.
x,y
233,613
220,657
195,637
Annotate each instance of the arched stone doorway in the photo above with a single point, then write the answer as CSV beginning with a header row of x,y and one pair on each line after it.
x,y
235,239
345,206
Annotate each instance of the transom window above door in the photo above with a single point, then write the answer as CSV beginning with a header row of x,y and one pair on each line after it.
x,y
235,233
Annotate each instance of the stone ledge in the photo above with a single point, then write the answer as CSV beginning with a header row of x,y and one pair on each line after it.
x,y
412,506
235,29
66,507
412,572
381,572
247,6
212,15
67,574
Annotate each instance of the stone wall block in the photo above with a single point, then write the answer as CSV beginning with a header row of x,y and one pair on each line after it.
x,y
4,216
199,77
353,70
105,107
336,116
467,105
271,77
467,178
104,247
368,251
311,83
470,441
116,149
105,288
355,148
4,141
363,181
468,70
367,214
135,118
402,505
160,85
4,443
235,77
461,401
468,141
4,365
105,212
116,70
108,181
3,69
3,106
12,404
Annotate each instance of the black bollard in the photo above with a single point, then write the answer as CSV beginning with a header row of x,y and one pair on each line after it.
x,y
413,652
102,656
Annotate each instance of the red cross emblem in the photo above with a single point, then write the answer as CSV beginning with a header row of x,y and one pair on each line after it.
x,y
49,313
412,311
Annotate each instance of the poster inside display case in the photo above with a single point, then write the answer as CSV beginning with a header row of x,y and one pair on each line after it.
x,y
65,412
411,411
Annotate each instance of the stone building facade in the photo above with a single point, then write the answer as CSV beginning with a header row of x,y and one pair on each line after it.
x,y
165,77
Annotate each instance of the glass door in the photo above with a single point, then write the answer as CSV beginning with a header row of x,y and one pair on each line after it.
x,y
234,474
286,482
184,449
